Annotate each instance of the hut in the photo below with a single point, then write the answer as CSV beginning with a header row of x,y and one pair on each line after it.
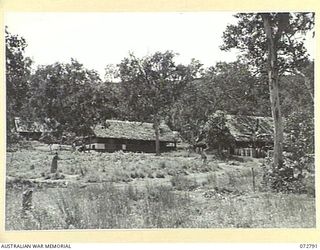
x,y
115,135
253,135
30,130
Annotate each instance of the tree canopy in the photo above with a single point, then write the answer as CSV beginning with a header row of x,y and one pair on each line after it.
x,y
152,84
270,43
68,94
18,71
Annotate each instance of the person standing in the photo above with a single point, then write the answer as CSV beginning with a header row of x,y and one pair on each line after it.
x,y
54,163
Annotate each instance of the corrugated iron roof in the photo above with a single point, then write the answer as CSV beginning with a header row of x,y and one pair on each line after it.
x,y
134,131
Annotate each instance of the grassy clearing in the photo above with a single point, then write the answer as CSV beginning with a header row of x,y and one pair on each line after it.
x,y
105,206
101,206
117,167
130,190
255,210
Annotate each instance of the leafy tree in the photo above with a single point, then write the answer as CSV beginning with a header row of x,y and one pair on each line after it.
x,y
226,86
189,113
236,89
151,85
67,94
299,127
111,73
18,68
217,132
270,43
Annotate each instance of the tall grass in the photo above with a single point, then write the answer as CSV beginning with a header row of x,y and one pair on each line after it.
x,y
263,210
106,206
102,206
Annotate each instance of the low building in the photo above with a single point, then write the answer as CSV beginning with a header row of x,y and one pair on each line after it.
x,y
30,130
253,135
115,135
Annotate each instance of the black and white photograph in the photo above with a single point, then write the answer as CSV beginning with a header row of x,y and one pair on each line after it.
x,y
152,120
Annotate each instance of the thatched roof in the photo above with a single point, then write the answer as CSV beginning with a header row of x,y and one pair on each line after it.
x,y
134,131
23,126
243,127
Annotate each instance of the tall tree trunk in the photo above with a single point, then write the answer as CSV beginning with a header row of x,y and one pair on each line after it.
x,y
156,125
273,79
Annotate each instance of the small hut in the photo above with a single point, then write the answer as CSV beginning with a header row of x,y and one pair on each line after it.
x,y
30,130
253,135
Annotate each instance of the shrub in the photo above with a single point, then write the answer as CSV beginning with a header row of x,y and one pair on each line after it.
x,y
290,177
299,127
217,132
299,140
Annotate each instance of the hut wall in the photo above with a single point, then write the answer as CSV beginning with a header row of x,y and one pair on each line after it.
x,y
31,135
256,149
114,144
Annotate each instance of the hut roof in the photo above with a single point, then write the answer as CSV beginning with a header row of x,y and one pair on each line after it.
x,y
30,127
243,127
133,130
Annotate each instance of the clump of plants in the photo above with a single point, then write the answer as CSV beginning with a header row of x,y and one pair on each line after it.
x,y
297,171
293,177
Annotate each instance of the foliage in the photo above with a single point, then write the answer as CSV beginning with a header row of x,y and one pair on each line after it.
x,y
217,132
18,70
297,173
226,86
270,43
68,94
297,91
249,36
299,129
237,90
151,85
293,177
189,113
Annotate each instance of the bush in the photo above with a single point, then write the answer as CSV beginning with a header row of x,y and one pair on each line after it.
x,y
290,178
299,127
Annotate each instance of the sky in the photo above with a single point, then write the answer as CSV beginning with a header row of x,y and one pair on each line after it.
x,y
99,39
